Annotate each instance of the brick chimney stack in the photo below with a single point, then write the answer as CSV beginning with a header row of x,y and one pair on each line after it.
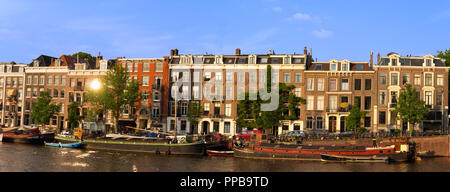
x,y
305,51
238,51
371,58
97,60
176,52
270,52
378,59
172,52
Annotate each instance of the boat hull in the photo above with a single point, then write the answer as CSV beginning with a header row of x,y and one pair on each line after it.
x,y
220,153
363,159
66,145
301,152
157,148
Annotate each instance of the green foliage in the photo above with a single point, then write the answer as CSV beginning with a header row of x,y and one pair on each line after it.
x,y
409,107
116,92
43,109
194,112
73,117
251,116
85,56
444,55
353,121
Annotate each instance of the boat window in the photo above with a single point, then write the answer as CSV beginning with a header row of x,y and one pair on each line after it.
x,y
389,151
381,151
250,132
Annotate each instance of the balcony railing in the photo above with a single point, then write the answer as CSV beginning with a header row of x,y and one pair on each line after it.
x,y
392,105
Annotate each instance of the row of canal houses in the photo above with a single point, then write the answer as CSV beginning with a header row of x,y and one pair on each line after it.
x,y
215,82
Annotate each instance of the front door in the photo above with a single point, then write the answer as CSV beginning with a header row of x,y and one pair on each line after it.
x,y
205,127
332,124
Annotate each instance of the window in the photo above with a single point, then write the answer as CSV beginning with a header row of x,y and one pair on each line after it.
x,y
252,77
35,92
366,122
333,67
205,106
382,117
298,91
428,62
172,125
440,80
382,78
318,66
275,77
155,111
226,127
344,67
184,108
367,103
63,80
428,79
196,76
368,84
62,93
41,80
428,98
196,92
145,80
35,79
310,102
394,78
333,85
298,77
50,80
405,78
357,84
218,76
319,122
297,60
229,77
332,102
156,96
229,92
129,67
393,97
344,84
146,67
320,86
228,110
320,100
55,93
263,60
394,62
159,67
241,77
144,94
417,79
28,93
286,77
14,82
382,98
357,102
310,84
309,122
438,99
359,67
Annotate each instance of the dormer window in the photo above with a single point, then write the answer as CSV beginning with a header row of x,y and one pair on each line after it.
x,y
359,67
428,62
275,60
241,60
35,63
9,69
251,60
58,63
263,60
207,60
287,60
344,67
333,67
394,62
318,66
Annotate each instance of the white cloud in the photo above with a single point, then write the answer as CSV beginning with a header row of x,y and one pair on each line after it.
x,y
301,16
277,9
322,33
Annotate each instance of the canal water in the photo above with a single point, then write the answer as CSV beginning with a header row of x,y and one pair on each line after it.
x,y
35,158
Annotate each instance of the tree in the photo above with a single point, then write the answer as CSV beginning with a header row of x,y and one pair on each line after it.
x,y
85,56
251,116
116,92
409,106
194,112
353,121
43,109
73,117
444,55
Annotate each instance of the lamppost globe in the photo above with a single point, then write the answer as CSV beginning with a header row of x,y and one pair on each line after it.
x,y
95,84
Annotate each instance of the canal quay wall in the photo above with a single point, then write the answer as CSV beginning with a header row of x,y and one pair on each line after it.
x,y
437,145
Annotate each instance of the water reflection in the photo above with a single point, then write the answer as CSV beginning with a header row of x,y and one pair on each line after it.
x,y
33,158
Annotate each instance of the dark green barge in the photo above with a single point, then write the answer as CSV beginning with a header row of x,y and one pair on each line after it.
x,y
141,146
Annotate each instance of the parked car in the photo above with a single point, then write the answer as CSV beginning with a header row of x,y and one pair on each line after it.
x,y
296,133
247,134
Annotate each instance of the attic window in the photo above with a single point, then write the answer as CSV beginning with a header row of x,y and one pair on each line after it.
x,y
229,60
275,60
207,60
241,60
428,62
297,60
359,67
263,60
318,66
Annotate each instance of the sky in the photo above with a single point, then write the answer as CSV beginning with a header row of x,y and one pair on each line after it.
x,y
346,29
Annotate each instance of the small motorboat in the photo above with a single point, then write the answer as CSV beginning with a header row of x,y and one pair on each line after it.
x,y
220,153
67,145
362,159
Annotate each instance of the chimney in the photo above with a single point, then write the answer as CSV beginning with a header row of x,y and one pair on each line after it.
x,y
270,52
171,52
97,61
305,51
310,52
176,52
371,58
378,59
238,51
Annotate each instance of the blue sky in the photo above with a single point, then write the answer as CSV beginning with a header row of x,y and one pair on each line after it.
x,y
135,29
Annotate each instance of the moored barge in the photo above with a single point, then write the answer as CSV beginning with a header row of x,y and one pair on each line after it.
x,y
404,152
